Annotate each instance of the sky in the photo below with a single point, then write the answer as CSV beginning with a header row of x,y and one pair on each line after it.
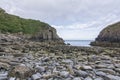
x,y
73,19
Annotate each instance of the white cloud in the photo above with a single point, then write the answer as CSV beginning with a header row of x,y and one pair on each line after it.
x,y
68,16
88,31
60,12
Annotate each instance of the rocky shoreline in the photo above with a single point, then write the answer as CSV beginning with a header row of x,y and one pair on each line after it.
x,y
29,60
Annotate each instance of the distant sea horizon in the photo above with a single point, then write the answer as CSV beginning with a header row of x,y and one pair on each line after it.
x,y
79,42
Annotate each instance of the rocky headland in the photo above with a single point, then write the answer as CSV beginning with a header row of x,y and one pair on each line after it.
x,y
27,28
109,37
42,55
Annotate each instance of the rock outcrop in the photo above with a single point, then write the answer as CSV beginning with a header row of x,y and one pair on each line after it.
x,y
49,34
109,37
1,10
27,28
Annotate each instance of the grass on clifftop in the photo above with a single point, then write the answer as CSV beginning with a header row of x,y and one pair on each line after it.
x,y
13,24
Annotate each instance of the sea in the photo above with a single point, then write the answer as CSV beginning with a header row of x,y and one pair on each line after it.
x,y
85,43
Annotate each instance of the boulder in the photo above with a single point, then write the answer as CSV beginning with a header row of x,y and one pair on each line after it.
x,y
21,71
36,76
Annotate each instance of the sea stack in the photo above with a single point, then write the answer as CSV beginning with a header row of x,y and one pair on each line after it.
x,y
109,36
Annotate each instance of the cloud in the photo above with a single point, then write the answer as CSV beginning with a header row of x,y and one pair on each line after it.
x,y
102,22
68,16
62,11
87,31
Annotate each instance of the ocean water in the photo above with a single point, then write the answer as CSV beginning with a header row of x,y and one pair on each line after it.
x,y
79,42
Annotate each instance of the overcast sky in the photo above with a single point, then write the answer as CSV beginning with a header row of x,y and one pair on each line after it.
x,y
73,19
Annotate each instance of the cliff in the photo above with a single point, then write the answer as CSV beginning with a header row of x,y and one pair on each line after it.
x,y
35,29
110,36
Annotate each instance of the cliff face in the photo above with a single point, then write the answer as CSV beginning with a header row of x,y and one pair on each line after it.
x,y
49,34
110,36
35,29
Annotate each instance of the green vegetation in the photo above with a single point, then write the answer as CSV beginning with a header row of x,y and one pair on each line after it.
x,y
13,24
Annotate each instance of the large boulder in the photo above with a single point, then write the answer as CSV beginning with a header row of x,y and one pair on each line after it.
x,y
21,71
109,37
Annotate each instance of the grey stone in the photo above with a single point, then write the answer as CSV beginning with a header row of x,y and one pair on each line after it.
x,y
40,68
88,78
3,76
36,76
81,73
110,71
64,74
100,73
112,77
12,78
86,67
68,61
77,78
99,78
